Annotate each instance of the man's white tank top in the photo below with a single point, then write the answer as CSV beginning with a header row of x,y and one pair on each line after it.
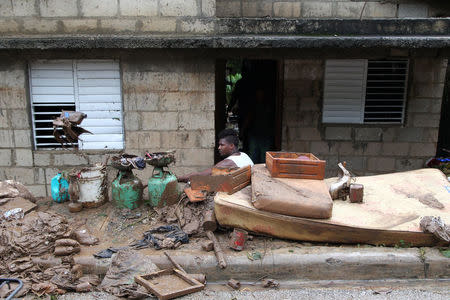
x,y
241,160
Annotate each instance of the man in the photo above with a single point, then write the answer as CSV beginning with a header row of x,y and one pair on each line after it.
x,y
228,148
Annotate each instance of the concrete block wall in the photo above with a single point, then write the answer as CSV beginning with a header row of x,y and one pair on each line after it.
x,y
346,9
367,149
168,104
106,16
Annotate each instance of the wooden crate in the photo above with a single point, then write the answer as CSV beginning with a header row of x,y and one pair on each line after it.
x,y
169,283
229,181
287,165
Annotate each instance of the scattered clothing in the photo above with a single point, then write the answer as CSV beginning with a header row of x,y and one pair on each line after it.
x,y
172,238
107,253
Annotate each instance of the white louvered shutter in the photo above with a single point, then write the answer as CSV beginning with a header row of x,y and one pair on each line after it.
x,y
99,96
89,86
51,90
344,91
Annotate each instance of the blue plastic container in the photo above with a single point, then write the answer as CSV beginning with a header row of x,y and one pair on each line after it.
x,y
60,188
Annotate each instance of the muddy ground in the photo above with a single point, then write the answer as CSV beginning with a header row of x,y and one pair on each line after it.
x,y
120,227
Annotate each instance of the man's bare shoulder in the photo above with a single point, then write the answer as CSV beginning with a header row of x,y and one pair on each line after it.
x,y
226,163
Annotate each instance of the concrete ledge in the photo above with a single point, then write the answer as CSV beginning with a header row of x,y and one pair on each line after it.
x,y
306,263
227,42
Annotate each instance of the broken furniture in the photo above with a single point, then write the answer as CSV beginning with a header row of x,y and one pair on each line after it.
x,y
169,283
295,165
293,197
392,208
163,185
222,180
66,129
126,190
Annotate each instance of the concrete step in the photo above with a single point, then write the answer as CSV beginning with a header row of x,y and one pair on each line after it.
x,y
305,263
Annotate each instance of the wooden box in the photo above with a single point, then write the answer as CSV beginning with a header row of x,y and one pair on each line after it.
x,y
229,181
169,283
288,165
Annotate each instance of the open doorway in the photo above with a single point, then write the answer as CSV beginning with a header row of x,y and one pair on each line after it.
x,y
248,99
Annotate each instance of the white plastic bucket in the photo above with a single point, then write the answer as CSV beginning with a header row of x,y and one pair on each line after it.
x,y
92,188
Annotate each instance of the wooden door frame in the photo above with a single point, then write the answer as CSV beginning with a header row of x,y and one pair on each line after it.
x,y
279,104
220,117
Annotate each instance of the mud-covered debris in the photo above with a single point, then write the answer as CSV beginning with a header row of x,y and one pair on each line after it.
x,y
13,214
66,129
125,265
270,283
436,226
83,287
93,279
208,246
173,236
66,247
10,189
46,288
235,284
75,207
77,271
84,237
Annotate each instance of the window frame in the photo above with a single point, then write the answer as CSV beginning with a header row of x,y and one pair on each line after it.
x,y
364,94
76,104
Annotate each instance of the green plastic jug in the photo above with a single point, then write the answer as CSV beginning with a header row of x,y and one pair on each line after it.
x,y
126,190
162,188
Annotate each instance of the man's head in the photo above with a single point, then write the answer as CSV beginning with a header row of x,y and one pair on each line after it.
x,y
228,142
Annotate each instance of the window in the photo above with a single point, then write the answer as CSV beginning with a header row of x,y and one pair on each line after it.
x,y
89,86
364,91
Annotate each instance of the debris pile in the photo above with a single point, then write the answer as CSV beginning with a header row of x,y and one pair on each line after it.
x,y
190,216
39,234
166,236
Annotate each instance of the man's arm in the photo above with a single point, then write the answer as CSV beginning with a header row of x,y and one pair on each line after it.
x,y
226,163
185,178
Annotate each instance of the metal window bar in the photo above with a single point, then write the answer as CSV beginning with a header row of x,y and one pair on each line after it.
x,y
385,91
